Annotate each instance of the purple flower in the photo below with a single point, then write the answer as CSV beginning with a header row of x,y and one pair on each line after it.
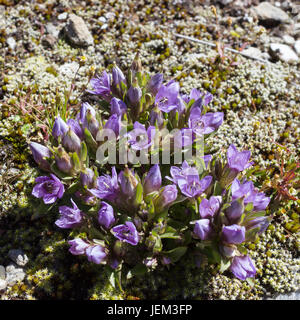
x,y
114,123
166,97
70,217
207,158
59,128
205,124
233,234
71,141
96,254
117,76
239,190
75,126
78,246
63,161
242,267
208,208
182,172
40,153
126,232
238,161
155,83
87,178
235,211
202,229
134,95
259,199
101,86
48,188
167,195
191,186
156,118
128,183
106,216
82,115
107,186
261,223
140,138
153,180
117,107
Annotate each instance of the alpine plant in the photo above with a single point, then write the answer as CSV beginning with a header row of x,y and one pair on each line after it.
x,y
131,215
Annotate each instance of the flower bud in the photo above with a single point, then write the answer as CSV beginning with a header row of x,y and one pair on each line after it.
x,y
63,161
167,195
136,65
96,254
155,83
134,95
156,118
87,178
59,128
118,107
261,223
153,180
39,153
75,126
71,141
233,234
117,76
202,229
92,124
235,211
128,183
242,267
106,216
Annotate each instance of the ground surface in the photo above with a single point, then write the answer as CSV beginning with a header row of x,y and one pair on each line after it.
x,y
260,101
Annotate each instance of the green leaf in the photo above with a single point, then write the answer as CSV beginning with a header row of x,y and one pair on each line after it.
x,y
225,264
176,254
73,187
249,207
83,152
138,270
138,194
75,161
170,235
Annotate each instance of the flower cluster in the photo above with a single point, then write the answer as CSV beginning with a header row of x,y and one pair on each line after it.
x,y
148,215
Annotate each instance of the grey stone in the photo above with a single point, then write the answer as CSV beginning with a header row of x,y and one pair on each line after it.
x,y
253,52
283,52
288,296
270,15
14,274
225,2
3,284
297,47
18,256
62,16
77,32
2,273
52,29
11,42
288,39
49,41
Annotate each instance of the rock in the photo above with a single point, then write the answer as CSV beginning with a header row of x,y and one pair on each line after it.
x,y
289,296
283,52
2,273
18,256
225,2
52,29
62,16
297,47
77,32
253,52
288,39
48,41
11,42
3,284
269,15
14,274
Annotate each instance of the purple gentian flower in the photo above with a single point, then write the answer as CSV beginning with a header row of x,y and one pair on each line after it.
x,y
207,158
87,178
134,95
63,161
118,76
128,183
81,116
239,190
117,107
96,254
106,186
182,172
235,211
259,222
75,126
259,199
233,234
48,188
155,83
204,124
202,229
59,128
238,161
126,232
106,216
156,118
191,186
166,97
101,86
78,246
70,217
140,138
167,195
114,123
71,141
242,267
208,208
153,180
39,153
